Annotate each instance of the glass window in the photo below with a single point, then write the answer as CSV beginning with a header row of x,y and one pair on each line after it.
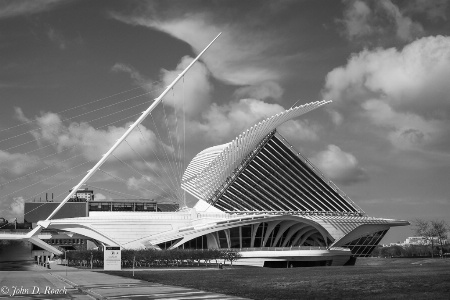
x,y
246,236
223,239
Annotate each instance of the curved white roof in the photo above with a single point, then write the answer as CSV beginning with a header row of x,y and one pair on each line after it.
x,y
211,167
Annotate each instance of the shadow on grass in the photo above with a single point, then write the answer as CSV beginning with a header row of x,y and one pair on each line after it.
x,y
370,278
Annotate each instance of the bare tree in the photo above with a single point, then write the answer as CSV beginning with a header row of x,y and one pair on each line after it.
x,y
440,228
431,231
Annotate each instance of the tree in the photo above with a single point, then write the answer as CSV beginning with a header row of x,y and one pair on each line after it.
x,y
431,231
231,255
440,229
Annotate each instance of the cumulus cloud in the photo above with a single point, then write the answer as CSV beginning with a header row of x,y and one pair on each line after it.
x,y
406,130
12,207
406,29
91,142
14,8
299,130
152,187
222,123
192,93
369,19
339,166
405,92
356,20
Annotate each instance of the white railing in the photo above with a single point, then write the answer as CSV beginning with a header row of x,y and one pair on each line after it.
x,y
2,232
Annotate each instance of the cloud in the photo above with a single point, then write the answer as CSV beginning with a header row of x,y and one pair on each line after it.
x,y
404,92
12,207
222,123
13,165
435,10
299,130
339,166
134,74
406,130
191,93
356,20
249,55
91,142
151,187
57,38
60,40
263,91
406,29
100,196
239,63
213,122
367,20
14,8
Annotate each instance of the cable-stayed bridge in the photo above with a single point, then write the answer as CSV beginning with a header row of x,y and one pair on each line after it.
x,y
133,141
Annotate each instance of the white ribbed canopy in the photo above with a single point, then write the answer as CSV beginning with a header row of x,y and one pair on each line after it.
x,y
209,169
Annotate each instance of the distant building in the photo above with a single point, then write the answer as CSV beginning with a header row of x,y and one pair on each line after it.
x,y
420,240
84,195
80,206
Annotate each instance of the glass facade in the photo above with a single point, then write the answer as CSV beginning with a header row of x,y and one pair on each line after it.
x,y
278,234
364,246
167,245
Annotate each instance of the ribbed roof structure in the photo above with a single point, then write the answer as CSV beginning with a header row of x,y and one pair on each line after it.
x,y
211,167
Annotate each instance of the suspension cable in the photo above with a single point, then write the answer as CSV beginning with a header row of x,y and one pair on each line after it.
x,y
111,191
165,152
161,164
143,176
3,197
78,106
102,117
162,179
124,180
169,135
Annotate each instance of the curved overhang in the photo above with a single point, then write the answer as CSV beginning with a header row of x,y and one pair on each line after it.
x,y
367,229
87,231
336,228
192,232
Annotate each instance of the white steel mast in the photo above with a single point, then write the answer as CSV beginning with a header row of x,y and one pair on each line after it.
x,y
124,136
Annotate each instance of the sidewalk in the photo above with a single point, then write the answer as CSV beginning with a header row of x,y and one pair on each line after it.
x,y
103,286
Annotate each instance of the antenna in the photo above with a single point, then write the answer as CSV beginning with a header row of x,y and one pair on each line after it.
x,y
124,136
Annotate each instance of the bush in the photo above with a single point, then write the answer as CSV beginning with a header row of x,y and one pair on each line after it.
x,y
152,258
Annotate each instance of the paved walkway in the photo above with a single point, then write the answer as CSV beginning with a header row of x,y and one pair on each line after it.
x,y
83,284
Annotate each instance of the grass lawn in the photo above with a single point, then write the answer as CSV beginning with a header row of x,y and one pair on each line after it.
x,y
371,278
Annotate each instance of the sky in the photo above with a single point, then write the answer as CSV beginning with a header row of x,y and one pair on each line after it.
x,y
75,74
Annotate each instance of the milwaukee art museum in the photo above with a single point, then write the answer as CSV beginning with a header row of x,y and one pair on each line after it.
x,y
256,194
